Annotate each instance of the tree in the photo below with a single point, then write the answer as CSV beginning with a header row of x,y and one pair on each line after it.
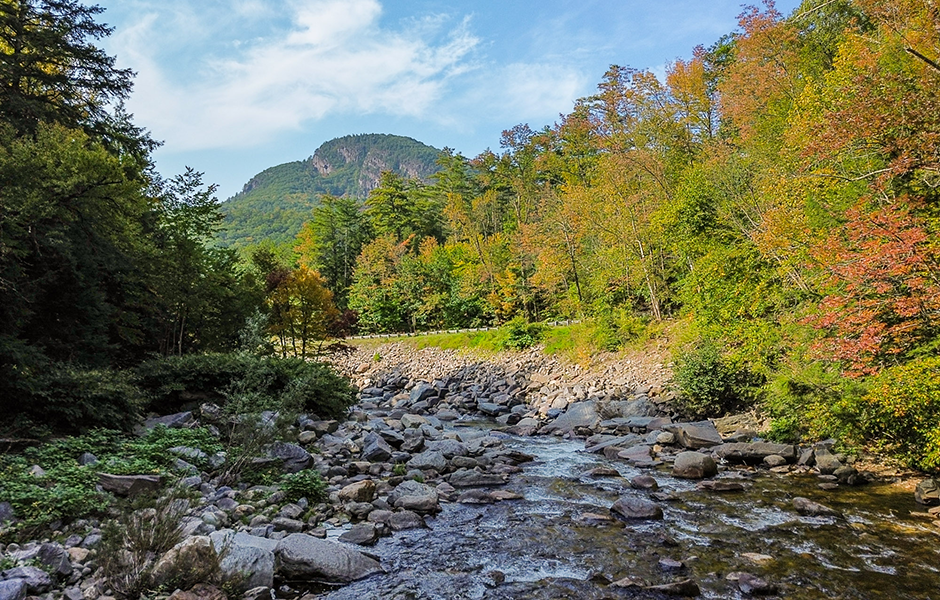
x,y
302,309
331,241
50,71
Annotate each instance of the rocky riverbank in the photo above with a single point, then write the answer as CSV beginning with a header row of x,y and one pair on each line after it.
x,y
434,430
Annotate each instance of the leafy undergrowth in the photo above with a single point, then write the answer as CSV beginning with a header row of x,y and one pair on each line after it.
x,y
62,489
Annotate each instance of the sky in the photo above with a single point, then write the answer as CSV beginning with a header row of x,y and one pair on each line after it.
x,y
232,87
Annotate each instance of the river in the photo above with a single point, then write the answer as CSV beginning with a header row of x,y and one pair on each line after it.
x,y
558,543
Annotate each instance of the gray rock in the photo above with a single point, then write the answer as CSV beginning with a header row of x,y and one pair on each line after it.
x,y
87,458
6,512
774,460
37,581
429,459
702,434
491,408
694,465
376,449
288,525
129,485
422,391
363,534
244,554
471,478
579,414
927,492
415,496
55,558
174,421
405,519
826,462
301,556
754,585
636,509
753,452
644,482
13,589
293,457
449,448
187,452
807,507
73,593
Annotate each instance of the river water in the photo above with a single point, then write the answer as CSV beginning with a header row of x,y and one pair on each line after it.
x,y
556,542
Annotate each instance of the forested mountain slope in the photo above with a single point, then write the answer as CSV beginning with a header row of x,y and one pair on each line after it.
x,y
275,203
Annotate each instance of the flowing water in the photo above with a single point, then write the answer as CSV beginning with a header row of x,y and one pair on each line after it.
x,y
549,545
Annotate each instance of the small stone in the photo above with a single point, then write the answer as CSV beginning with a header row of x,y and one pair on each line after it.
x,y
669,564
774,460
686,587
753,585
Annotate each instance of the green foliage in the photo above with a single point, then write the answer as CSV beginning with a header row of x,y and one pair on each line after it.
x,y
517,334
303,484
709,386
901,412
251,383
617,328
64,398
67,490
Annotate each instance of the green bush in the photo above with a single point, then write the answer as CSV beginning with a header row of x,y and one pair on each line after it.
x,y
64,398
614,329
304,484
710,386
901,413
247,382
517,334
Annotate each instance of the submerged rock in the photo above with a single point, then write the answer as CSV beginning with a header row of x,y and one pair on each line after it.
x,y
927,492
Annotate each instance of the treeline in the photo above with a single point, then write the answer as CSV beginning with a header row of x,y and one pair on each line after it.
x,y
776,193
105,264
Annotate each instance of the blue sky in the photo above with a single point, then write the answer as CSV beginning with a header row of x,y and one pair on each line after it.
x,y
233,87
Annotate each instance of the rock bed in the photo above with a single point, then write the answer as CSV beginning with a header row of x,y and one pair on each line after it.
x,y
411,444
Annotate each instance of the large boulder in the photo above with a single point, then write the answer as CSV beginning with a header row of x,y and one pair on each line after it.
x,y
303,557
754,452
702,434
579,414
449,448
246,559
694,465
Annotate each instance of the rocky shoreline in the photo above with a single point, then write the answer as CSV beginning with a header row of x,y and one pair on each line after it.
x,y
431,428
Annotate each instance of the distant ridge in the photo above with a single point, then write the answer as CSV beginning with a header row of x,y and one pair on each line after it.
x,y
274,204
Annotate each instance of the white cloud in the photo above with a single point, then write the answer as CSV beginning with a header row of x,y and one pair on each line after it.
x,y
334,58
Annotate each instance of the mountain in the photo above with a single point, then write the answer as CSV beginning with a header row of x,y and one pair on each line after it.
x,y
275,203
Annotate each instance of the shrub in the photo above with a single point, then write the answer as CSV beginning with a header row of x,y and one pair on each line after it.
x,y
304,484
131,544
248,382
614,329
65,398
901,413
517,334
710,386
